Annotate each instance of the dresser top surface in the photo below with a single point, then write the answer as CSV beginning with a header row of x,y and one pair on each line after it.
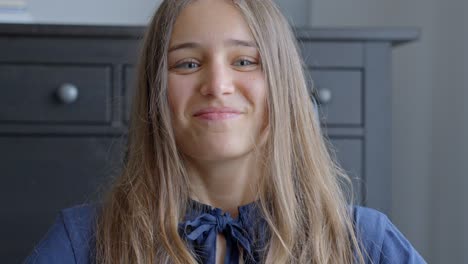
x,y
393,35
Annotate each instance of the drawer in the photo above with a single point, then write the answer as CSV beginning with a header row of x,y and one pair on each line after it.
x,y
340,96
350,153
30,94
42,175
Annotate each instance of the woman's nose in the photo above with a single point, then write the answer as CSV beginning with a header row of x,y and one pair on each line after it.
x,y
218,81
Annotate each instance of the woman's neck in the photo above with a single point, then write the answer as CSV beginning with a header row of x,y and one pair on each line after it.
x,y
225,184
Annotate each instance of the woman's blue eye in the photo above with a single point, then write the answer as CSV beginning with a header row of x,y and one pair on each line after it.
x,y
243,63
188,65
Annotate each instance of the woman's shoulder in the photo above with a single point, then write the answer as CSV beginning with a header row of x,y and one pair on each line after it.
x,y
70,239
80,222
381,239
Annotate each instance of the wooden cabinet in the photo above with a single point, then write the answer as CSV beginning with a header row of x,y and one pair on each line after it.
x,y
64,111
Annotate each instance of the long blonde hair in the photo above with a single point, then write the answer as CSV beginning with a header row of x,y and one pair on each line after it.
x,y
299,191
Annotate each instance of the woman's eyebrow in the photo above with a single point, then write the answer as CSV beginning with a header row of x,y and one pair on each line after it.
x,y
227,42
186,45
238,42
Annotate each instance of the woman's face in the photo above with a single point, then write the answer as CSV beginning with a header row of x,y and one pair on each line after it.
x,y
216,87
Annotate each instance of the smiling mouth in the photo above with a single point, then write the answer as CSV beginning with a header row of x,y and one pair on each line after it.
x,y
216,114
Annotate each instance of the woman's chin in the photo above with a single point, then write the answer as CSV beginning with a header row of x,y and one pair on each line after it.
x,y
214,155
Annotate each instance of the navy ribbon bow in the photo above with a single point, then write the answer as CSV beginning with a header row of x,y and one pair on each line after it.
x,y
201,234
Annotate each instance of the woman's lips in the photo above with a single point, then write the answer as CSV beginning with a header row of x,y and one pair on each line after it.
x,y
217,113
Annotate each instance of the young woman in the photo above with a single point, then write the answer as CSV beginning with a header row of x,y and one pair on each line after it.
x,y
225,162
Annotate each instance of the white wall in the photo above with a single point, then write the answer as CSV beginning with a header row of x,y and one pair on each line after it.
x,y
429,117
110,12
126,12
297,11
465,144
448,133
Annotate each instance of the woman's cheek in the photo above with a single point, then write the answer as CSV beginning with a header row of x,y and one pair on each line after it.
x,y
177,96
256,91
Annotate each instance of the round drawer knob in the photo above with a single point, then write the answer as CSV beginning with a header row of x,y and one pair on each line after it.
x,y
67,93
324,95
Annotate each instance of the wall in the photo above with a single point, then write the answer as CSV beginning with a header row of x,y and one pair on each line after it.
x,y
120,12
296,11
465,144
449,139
126,12
429,117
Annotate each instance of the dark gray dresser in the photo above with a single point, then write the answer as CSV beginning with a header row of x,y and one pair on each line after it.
x,y
64,104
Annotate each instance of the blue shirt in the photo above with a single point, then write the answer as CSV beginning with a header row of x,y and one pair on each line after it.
x,y
71,238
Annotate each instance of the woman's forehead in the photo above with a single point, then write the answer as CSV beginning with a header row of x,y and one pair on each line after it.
x,y
206,21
